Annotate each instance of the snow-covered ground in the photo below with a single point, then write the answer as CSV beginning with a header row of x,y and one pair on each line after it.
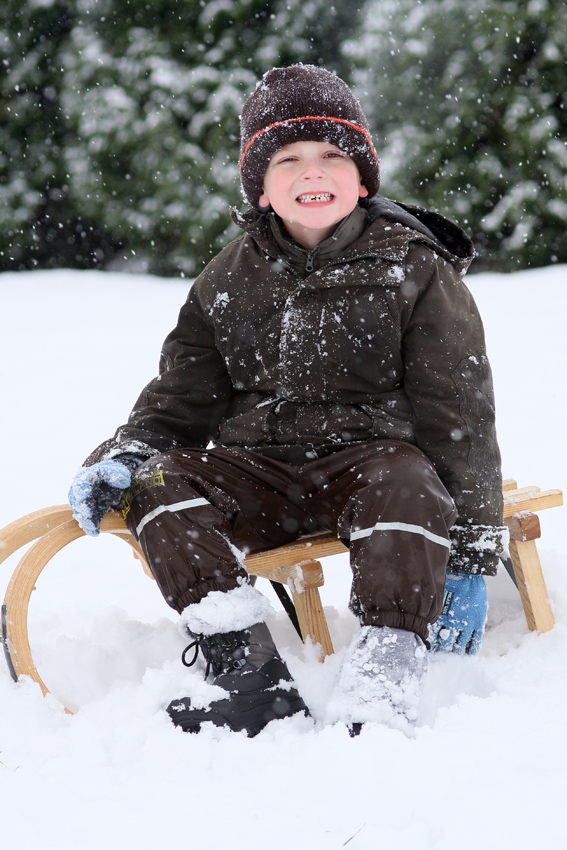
x,y
488,765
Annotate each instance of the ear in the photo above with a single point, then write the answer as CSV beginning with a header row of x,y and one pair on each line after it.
x,y
362,191
264,201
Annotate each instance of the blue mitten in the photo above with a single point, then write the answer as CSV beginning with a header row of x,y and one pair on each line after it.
x,y
95,490
461,625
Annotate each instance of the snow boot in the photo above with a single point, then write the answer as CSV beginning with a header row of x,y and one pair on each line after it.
x,y
380,680
247,665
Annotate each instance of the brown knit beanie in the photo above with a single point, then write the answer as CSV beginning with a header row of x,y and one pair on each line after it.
x,y
302,103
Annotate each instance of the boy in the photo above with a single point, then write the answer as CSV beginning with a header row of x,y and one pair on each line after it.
x,y
336,361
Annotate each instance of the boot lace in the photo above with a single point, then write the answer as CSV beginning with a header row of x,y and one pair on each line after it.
x,y
223,653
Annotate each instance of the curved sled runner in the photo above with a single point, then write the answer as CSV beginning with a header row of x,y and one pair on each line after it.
x,y
295,566
54,528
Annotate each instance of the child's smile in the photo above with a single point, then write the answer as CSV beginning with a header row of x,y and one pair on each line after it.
x,y
315,199
311,186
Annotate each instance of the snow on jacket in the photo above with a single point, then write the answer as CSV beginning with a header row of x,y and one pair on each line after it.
x,y
278,347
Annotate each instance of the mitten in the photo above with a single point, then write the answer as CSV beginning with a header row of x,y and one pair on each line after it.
x,y
460,627
97,489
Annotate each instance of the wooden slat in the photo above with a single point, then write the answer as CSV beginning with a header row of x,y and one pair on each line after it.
x,y
20,589
22,531
298,577
509,484
28,571
318,546
312,620
540,501
522,491
524,526
531,584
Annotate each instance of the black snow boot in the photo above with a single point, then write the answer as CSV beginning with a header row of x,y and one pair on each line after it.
x,y
248,666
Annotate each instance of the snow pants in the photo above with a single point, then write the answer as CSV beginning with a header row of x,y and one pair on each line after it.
x,y
195,511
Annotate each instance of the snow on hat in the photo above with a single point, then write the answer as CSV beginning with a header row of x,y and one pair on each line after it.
x,y
302,103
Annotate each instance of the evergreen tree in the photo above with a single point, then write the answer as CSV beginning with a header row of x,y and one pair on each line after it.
x,y
311,32
469,104
39,225
153,91
121,144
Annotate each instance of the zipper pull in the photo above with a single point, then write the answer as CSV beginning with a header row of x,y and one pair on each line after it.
x,y
309,262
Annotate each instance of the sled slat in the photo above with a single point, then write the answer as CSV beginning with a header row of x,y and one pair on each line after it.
x,y
524,526
539,501
312,620
30,527
316,546
28,570
20,589
531,584
299,577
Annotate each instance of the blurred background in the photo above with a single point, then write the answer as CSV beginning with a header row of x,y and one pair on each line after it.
x,y
119,120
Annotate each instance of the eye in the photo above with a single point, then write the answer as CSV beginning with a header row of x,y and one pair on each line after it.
x,y
334,155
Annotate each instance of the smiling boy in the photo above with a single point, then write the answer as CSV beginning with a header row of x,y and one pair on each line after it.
x,y
327,372
311,186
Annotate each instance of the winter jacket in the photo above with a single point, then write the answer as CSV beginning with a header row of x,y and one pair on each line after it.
x,y
278,348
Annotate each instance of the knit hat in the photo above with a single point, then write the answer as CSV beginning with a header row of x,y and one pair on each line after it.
x,y
302,103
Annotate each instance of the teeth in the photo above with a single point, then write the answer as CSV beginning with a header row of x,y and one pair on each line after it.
x,y
309,199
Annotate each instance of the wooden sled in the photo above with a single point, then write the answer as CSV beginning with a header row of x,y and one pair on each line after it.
x,y
296,566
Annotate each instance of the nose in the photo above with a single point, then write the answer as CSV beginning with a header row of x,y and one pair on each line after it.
x,y
312,169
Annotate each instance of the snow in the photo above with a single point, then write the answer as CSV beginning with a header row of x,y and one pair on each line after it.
x,y
222,612
486,767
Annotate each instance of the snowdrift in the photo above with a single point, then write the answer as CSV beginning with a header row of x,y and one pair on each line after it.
x,y
486,767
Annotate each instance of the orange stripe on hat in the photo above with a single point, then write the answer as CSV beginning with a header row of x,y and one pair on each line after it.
x,y
362,130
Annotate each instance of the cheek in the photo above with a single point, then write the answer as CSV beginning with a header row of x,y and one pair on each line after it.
x,y
351,192
275,194
351,186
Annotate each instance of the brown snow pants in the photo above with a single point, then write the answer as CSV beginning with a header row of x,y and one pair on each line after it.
x,y
193,509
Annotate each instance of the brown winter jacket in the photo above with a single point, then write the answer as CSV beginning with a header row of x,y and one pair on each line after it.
x,y
279,349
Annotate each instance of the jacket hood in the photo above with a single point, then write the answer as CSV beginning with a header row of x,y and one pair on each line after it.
x,y
448,238
408,224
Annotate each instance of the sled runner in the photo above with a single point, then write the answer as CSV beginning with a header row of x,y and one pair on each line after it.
x,y
295,566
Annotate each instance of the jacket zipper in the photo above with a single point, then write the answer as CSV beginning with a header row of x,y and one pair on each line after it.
x,y
309,262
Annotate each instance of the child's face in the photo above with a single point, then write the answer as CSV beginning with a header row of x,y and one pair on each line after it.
x,y
311,186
